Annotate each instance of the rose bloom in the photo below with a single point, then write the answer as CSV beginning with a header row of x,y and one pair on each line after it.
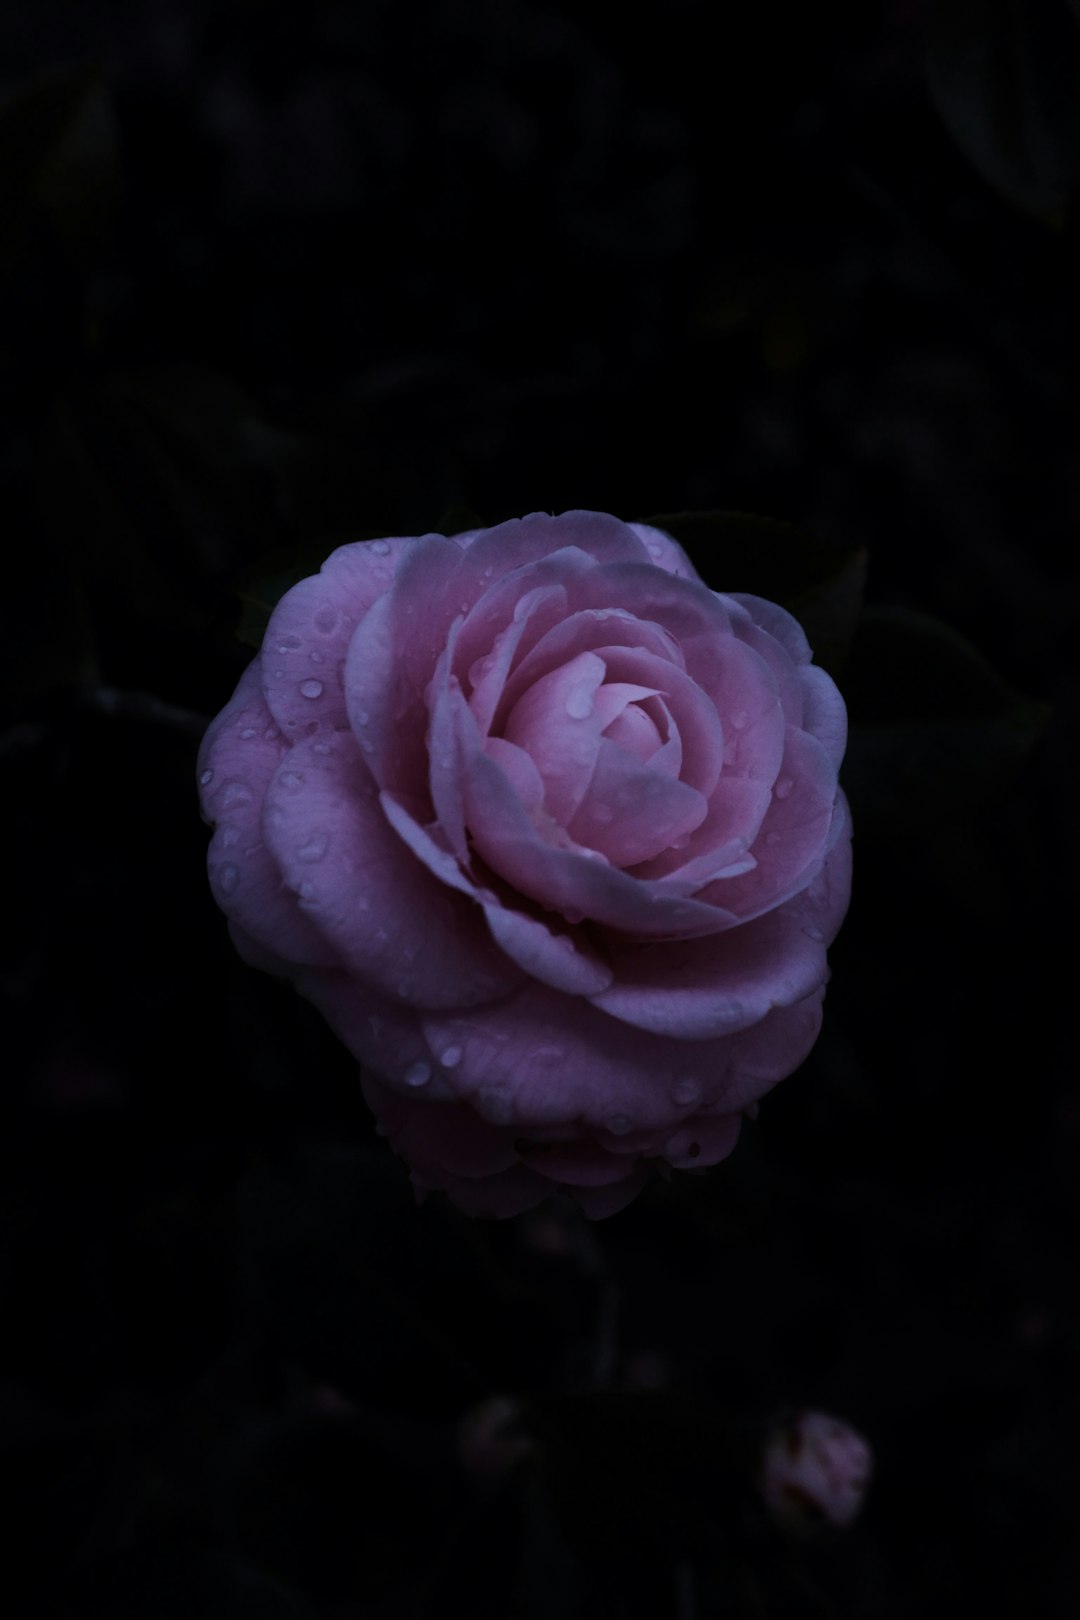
x,y
550,834
815,1468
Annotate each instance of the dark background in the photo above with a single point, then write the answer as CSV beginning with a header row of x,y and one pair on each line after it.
x,y
274,276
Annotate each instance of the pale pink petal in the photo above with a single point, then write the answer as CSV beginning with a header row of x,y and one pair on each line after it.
x,y
631,812
568,880
238,757
519,769
586,631
444,769
693,990
391,659
498,631
544,1059
720,846
701,734
773,652
824,711
792,842
393,925
562,960
554,722
513,545
303,652
777,622
664,552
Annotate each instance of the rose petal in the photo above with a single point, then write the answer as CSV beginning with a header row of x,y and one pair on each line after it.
x,y
391,658
630,811
824,711
664,552
777,622
238,757
543,1059
792,842
391,923
309,631
563,961
555,724
695,990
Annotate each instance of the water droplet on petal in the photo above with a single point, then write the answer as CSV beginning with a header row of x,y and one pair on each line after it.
x,y
248,731
314,658
279,674
323,748
325,620
315,847
417,1074
451,1057
783,787
292,779
619,1124
381,548
229,837
271,733
228,877
686,1092
311,689
579,705
308,891
812,931
206,778
236,793
287,643
362,717
739,719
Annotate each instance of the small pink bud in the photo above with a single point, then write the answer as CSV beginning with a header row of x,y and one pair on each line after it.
x,y
491,1441
815,1467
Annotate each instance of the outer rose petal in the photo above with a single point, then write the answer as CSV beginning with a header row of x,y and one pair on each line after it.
x,y
664,551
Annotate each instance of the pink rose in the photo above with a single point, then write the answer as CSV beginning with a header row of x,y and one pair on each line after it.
x,y
815,1468
551,835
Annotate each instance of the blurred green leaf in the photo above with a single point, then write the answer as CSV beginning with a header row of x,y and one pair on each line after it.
x,y
935,730
819,581
58,160
1004,77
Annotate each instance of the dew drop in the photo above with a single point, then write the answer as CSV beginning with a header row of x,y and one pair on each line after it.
x,y
362,717
315,847
417,1074
314,658
279,674
812,931
783,787
325,620
323,748
292,779
579,705
248,731
235,794
272,733
288,643
229,837
308,891
451,1057
228,877
381,548
206,778
739,719
311,689
686,1092
619,1124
